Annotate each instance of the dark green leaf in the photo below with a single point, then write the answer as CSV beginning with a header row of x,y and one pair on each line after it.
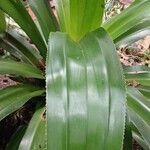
x,y
128,19
136,33
16,10
14,43
13,98
34,138
127,144
85,106
140,141
141,125
44,15
145,90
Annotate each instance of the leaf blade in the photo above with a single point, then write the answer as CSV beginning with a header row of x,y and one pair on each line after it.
x,y
138,11
18,68
43,12
13,98
74,74
34,137
13,9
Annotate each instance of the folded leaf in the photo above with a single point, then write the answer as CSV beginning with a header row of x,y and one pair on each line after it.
x,y
85,106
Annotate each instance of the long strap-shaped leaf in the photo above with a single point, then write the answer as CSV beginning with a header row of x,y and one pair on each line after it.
x,y
136,33
138,103
44,15
13,98
139,112
138,73
145,90
16,10
34,138
85,94
140,141
15,43
2,22
77,17
18,68
129,18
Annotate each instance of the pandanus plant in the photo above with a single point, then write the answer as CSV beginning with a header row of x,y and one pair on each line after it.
x,y
89,105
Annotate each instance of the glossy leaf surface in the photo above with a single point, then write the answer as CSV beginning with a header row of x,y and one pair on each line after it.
x,y
85,106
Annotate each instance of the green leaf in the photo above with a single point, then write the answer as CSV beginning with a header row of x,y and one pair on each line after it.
x,y
2,22
34,138
129,18
14,97
85,106
16,10
16,44
139,112
16,139
145,90
127,144
134,34
18,68
141,125
138,103
77,17
139,73
44,15
140,141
